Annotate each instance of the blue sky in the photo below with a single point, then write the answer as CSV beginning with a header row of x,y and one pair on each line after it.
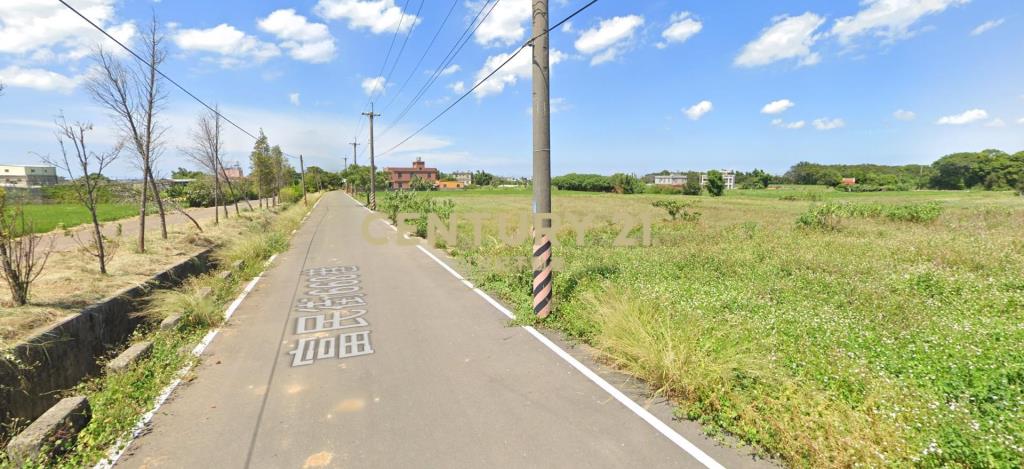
x,y
636,86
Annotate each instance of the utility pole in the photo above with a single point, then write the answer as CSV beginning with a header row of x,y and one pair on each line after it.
x,y
355,158
541,161
373,167
302,177
346,162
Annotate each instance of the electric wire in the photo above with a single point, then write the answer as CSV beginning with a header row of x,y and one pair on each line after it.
x,y
484,79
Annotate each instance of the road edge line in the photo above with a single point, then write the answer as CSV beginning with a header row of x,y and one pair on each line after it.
x,y
660,426
118,449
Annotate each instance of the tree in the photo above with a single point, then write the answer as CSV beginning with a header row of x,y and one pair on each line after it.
x,y
135,96
692,186
21,262
483,178
261,166
85,171
183,173
419,184
625,183
761,178
716,183
205,151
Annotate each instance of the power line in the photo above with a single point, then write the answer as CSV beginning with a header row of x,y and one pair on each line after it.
x,y
387,56
422,56
484,79
164,75
445,62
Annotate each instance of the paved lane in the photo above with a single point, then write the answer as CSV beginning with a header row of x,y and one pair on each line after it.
x,y
429,374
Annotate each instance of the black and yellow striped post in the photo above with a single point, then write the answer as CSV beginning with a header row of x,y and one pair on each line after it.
x,y
542,276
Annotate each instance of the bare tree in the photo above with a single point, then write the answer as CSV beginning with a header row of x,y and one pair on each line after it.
x,y
134,95
85,171
205,151
21,261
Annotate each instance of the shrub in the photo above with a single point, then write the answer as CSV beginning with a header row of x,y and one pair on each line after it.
x,y
828,216
692,186
678,209
291,194
716,183
625,183
397,202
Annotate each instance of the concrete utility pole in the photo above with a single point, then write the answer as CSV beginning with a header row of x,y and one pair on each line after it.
x,y
354,143
541,160
302,177
346,162
373,167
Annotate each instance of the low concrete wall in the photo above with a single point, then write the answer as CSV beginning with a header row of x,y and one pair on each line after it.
x,y
58,358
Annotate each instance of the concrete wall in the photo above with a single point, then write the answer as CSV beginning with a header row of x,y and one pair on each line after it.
x,y
59,357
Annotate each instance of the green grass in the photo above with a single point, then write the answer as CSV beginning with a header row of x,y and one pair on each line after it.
x,y
47,217
892,340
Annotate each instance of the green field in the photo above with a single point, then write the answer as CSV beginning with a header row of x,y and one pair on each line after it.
x,y
47,217
872,341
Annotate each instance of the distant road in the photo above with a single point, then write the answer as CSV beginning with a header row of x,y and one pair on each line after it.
x,y
350,353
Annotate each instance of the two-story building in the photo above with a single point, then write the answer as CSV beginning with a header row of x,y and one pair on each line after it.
x,y
27,176
401,178
465,178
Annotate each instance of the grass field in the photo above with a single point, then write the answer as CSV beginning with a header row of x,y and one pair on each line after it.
x,y
47,217
873,342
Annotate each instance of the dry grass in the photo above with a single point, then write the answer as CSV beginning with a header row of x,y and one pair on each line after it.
x,y
71,279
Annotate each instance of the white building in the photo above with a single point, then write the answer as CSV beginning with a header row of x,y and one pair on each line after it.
x,y
27,176
670,179
465,178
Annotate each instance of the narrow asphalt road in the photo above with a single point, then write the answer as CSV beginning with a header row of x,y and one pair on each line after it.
x,y
350,353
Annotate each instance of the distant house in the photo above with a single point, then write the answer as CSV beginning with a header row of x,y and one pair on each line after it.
x,y
234,172
401,178
450,185
848,181
27,176
465,178
674,180
728,175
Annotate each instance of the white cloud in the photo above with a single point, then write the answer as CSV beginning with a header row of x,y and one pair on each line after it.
x,y
305,41
45,31
294,99
505,25
567,27
683,27
458,87
608,39
518,68
38,79
986,26
826,123
235,47
373,85
454,68
1020,121
698,110
904,115
997,123
379,16
788,125
888,19
966,117
788,37
777,107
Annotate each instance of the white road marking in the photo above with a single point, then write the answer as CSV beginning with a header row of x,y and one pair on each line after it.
x,y
117,449
630,404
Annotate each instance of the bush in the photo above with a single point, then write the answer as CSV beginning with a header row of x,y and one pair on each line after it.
x,y
626,183
829,216
291,194
716,183
667,190
692,186
678,209
582,182
397,202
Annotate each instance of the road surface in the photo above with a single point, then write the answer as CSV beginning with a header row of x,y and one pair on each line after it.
x,y
417,371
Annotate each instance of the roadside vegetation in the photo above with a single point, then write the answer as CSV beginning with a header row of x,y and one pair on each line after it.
x,y
893,340
118,400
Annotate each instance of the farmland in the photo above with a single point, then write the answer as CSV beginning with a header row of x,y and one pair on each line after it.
x,y
881,340
47,217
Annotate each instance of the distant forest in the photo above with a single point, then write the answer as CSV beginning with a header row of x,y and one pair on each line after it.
x,y
986,169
